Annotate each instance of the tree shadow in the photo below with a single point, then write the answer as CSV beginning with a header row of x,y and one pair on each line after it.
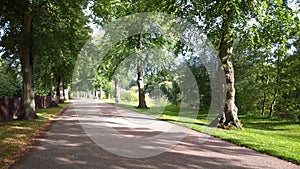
x,y
66,145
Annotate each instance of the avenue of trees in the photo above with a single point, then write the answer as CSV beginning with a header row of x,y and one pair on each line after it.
x,y
39,44
257,42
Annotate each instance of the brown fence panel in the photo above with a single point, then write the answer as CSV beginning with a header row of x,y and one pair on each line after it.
x,y
47,101
18,106
38,103
42,102
11,107
4,110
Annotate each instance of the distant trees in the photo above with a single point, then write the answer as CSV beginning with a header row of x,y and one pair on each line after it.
x,y
11,82
266,61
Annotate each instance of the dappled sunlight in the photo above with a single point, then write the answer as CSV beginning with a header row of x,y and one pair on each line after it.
x,y
16,136
67,145
65,160
21,128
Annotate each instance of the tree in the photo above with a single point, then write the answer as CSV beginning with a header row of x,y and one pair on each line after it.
x,y
26,58
140,77
225,54
57,56
112,10
26,25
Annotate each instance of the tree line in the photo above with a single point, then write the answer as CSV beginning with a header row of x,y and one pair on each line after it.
x,y
257,44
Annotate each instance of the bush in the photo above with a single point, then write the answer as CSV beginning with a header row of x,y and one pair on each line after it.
x,y
288,108
130,95
134,94
157,101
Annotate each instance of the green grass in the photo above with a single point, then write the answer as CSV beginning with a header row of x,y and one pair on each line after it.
x,y
274,136
16,136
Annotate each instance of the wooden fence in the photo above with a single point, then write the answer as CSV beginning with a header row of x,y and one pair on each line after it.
x,y
11,107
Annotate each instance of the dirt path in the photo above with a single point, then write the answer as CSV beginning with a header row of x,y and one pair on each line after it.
x,y
67,144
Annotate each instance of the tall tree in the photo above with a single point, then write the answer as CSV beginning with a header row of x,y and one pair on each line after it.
x,y
26,58
108,11
140,77
225,54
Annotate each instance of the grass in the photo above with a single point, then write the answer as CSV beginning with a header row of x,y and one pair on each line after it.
x,y
273,136
17,136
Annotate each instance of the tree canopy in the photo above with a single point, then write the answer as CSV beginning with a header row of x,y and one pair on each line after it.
x,y
257,42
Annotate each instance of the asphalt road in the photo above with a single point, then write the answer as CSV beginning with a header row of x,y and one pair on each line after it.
x,y
89,135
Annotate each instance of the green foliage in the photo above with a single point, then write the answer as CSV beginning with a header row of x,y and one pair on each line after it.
x,y
131,95
57,50
165,83
262,64
54,51
202,77
11,85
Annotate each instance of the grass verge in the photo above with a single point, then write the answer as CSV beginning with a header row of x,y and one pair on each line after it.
x,y
17,136
273,136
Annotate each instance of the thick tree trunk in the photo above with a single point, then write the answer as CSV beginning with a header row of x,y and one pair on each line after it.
x,y
225,54
140,81
117,91
142,101
26,58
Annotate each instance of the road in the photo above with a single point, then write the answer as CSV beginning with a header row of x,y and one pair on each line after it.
x,y
98,135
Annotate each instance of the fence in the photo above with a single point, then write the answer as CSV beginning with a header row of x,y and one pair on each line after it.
x,y
11,107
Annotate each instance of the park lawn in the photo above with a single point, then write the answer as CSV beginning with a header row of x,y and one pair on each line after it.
x,y
273,136
17,136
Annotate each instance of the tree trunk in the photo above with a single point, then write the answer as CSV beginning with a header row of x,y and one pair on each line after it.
x,y
117,91
58,90
273,104
63,93
29,111
101,93
140,81
53,89
277,87
225,54
264,104
264,97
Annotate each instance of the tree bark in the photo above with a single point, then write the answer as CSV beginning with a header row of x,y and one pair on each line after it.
x,y
225,54
276,90
273,103
264,98
29,111
101,93
264,103
58,90
53,88
140,81
117,91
